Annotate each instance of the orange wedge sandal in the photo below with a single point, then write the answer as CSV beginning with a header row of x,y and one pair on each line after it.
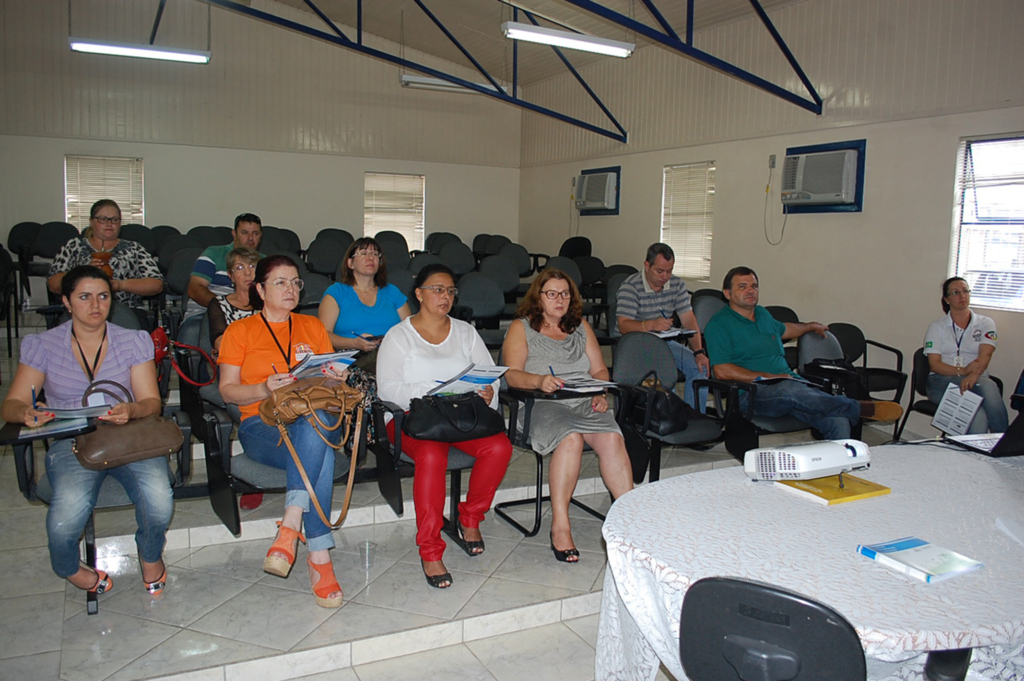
x,y
325,585
286,543
103,583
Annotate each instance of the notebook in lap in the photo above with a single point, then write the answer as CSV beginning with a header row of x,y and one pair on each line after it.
x,y
1010,443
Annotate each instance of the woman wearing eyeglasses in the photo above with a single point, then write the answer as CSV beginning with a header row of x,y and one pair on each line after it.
x,y
133,270
225,309
959,348
548,344
423,349
362,306
256,357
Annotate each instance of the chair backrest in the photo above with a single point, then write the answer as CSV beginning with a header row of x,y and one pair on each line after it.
x,y
591,268
706,307
638,353
920,375
480,242
21,237
141,235
437,239
520,256
502,271
567,266
161,232
713,292
170,246
324,256
495,242
313,290
403,281
395,254
480,294
613,286
6,282
783,314
811,346
421,260
790,636
574,246
300,263
288,240
611,270
180,270
206,236
51,237
850,338
389,235
459,257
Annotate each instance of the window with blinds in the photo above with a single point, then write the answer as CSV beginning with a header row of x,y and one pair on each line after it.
x,y
394,202
687,217
87,179
987,247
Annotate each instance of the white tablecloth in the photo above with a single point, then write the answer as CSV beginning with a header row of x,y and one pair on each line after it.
x,y
664,536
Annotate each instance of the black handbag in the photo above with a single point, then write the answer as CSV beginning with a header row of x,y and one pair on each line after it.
x,y
669,414
451,418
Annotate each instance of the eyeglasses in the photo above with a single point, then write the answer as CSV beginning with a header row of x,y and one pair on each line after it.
x,y
242,267
106,221
288,283
551,294
441,290
366,254
959,292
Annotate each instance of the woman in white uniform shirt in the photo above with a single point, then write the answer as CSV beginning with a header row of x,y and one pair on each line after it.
x,y
959,347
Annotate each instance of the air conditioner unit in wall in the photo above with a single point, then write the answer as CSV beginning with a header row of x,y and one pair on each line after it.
x,y
596,191
828,177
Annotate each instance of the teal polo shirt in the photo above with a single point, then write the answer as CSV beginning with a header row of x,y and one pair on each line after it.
x,y
753,345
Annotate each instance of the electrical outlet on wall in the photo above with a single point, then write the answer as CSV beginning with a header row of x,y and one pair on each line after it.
x,y
771,161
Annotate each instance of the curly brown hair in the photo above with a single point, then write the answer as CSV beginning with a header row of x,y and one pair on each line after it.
x,y
531,310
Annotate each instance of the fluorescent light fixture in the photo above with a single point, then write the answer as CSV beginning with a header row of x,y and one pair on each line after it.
x,y
142,51
426,83
574,41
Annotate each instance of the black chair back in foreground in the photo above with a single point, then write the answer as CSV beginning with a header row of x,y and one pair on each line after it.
x,y
876,379
734,629
574,246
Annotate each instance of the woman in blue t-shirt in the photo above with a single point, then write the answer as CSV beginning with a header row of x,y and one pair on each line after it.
x,y
360,308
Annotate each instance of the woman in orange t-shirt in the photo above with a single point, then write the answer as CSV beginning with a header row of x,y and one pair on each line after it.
x,y
256,357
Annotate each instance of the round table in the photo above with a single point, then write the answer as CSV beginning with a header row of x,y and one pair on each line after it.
x,y
664,536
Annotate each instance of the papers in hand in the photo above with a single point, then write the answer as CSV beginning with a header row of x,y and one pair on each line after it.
x,y
673,332
80,412
313,365
469,380
778,379
577,384
956,411
919,559
56,427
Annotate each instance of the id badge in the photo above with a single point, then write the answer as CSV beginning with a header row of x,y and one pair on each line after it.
x,y
97,400
958,361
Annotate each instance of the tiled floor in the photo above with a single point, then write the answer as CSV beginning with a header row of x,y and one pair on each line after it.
x,y
514,613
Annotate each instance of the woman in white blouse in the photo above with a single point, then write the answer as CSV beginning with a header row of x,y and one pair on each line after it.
x,y
415,354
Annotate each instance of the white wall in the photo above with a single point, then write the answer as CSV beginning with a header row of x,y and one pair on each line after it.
x,y
187,186
880,269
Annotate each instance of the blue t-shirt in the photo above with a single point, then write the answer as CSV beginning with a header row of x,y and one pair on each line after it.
x,y
356,319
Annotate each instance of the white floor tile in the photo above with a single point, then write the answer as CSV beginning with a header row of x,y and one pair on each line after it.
x,y
549,653
454,663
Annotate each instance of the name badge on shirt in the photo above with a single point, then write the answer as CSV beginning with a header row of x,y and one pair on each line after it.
x,y
958,361
97,400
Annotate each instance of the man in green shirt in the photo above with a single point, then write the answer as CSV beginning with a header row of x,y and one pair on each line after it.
x,y
744,343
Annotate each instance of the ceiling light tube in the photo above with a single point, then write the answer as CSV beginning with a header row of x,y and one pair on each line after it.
x,y
426,83
575,41
142,51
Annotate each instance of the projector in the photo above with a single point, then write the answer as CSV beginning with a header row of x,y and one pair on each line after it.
x,y
806,460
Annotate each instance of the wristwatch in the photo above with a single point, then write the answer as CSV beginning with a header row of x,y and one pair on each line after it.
x,y
700,351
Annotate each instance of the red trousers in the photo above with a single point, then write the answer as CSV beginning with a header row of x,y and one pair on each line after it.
x,y
492,455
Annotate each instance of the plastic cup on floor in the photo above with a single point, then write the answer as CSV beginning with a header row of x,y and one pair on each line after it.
x,y
366,551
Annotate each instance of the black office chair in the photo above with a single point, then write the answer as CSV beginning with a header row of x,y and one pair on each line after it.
x,y
324,256
503,272
207,235
575,246
525,266
706,307
484,301
479,243
592,275
636,355
313,291
611,270
876,379
170,246
8,297
388,235
403,280
735,629
394,254
494,244
435,240
713,292
141,235
786,315
19,242
919,386
458,257
344,237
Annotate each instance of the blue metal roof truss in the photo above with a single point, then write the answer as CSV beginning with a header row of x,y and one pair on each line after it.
x,y
669,38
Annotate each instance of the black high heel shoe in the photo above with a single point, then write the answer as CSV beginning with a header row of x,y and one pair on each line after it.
x,y
472,548
442,581
563,556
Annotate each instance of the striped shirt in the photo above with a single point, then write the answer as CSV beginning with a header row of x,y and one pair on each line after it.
x,y
636,300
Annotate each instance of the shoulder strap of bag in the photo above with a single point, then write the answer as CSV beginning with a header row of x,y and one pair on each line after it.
x,y
100,387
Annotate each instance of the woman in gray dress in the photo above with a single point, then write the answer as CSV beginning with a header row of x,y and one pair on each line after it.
x,y
549,344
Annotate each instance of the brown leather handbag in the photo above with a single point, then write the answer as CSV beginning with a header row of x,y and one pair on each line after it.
x,y
304,398
113,445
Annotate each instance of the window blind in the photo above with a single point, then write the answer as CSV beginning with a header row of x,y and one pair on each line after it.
x,y
87,179
987,240
687,217
394,202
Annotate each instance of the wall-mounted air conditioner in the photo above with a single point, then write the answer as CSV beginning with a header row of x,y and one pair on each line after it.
x,y
597,191
823,178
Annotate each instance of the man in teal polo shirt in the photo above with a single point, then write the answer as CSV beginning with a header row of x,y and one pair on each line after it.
x,y
210,273
744,343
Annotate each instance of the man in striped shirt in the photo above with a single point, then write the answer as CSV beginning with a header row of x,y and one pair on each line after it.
x,y
647,301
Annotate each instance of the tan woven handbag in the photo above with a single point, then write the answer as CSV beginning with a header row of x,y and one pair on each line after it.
x,y
302,399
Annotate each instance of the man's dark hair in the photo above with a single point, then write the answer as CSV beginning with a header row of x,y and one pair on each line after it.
x,y
248,217
654,250
740,271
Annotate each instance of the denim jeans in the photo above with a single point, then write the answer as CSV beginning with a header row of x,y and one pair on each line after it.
x,y
991,418
832,415
260,444
687,365
74,496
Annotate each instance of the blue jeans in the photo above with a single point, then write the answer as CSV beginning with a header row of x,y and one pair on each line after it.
x,y
687,365
831,415
74,496
991,418
260,444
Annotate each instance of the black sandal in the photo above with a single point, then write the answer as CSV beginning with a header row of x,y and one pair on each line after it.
x,y
437,581
564,556
472,548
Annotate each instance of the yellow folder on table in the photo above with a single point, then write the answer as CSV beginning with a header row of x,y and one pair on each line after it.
x,y
827,491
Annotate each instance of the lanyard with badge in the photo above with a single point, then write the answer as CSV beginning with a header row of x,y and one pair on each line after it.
x,y
286,355
958,361
94,399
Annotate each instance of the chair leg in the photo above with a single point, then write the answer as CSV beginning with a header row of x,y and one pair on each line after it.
x,y
654,467
903,422
92,606
947,665
450,524
537,500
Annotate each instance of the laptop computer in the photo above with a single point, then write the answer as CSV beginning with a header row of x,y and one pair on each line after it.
x,y
1010,443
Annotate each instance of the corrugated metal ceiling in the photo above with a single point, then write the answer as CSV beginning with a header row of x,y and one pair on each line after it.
x,y
477,25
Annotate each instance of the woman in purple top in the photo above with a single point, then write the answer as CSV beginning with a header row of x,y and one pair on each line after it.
x,y
64,361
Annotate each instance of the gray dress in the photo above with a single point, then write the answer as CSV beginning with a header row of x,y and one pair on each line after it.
x,y
552,420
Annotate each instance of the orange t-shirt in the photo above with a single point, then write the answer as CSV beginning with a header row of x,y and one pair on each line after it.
x,y
250,346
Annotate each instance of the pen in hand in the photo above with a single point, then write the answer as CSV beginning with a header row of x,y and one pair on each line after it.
x,y
34,403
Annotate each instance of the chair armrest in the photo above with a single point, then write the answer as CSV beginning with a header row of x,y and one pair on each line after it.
x,y
537,264
732,389
895,351
25,466
184,454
